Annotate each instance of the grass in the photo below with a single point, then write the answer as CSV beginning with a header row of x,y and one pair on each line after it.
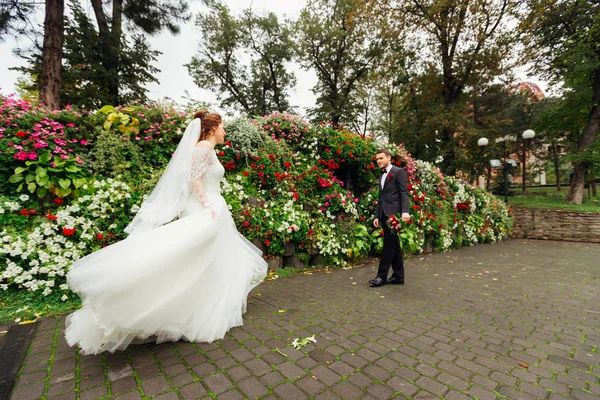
x,y
19,305
549,197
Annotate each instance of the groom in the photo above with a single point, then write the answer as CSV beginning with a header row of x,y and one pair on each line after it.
x,y
393,198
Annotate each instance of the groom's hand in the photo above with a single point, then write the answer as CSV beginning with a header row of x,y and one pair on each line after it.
x,y
376,222
406,217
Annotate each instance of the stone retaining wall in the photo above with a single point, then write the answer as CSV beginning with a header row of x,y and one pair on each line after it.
x,y
542,223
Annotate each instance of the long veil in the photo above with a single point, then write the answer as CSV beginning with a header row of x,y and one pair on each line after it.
x,y
169,196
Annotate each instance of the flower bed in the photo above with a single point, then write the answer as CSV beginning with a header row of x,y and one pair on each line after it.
x,y
73,180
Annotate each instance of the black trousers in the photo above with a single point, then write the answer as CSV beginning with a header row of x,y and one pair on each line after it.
x,y
392,253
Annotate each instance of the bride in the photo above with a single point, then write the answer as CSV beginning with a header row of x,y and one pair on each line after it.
x,y
188,279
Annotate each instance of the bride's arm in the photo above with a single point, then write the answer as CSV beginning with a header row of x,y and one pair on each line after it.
x,y
200,162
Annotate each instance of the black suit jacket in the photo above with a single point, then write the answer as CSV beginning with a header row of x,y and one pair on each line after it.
x,y
393,197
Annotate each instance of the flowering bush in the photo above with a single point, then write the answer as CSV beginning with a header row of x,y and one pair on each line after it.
x,y
39,258
288,184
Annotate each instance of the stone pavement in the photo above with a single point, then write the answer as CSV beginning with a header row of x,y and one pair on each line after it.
x,y
517,320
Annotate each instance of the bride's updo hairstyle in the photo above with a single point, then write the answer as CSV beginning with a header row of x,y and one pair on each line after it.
x,y
210,122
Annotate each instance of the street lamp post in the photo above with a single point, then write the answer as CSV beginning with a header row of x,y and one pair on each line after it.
x,y
507,164
482,142
527,135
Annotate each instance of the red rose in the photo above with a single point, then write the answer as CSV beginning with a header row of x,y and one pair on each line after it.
x,y
68,231
267,242
51,217
24,212
58,201
246,224
221,153
21,134
99,236
32,212
246,173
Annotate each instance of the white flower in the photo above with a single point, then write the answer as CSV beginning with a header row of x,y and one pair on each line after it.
x,y
24,197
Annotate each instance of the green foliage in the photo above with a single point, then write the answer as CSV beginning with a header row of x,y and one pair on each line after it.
x,y
342,48
112,156
257,87
246,136
86,78
62,178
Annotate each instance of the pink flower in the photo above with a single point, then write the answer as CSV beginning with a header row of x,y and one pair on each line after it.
x,y
83,142
64,156
32,156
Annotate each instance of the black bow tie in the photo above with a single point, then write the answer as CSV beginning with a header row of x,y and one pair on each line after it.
x,y
383,170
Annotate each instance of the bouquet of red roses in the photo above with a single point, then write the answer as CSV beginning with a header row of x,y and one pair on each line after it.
x,y
396,224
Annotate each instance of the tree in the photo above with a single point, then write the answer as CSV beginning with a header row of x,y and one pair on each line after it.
x,y
257,87
14,18
562,42
51,77
84,78
149,17
463,39
343,47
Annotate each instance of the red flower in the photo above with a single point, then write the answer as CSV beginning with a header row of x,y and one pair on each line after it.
x,y
267,242
295,196
21,134
246,224
24,212
246,173
326,150
287,164
99,236
51,217
58,201
227,143
221,153
32,212
68,231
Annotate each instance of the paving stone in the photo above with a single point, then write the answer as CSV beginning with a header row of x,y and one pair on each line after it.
x,y
288,391
181,379
258,367
123,385
94,394
347,391
380,391
218,383
272,379
253,388
192,391
154,386
451,344
33,391
431,386
325,375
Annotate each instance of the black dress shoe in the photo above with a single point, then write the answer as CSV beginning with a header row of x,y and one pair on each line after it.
x,y
395,281
377,282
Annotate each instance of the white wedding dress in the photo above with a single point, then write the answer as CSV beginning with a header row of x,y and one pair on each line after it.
x,y
188,279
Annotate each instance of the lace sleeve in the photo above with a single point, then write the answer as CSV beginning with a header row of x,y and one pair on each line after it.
x,y
201,160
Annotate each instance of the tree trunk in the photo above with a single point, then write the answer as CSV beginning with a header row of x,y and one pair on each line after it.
x,y
50,81
114,48
590,132
555,161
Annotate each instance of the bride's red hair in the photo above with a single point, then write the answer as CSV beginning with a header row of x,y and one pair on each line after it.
x,y
210,122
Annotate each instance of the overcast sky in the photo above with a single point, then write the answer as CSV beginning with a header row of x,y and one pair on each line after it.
x,y
178,50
